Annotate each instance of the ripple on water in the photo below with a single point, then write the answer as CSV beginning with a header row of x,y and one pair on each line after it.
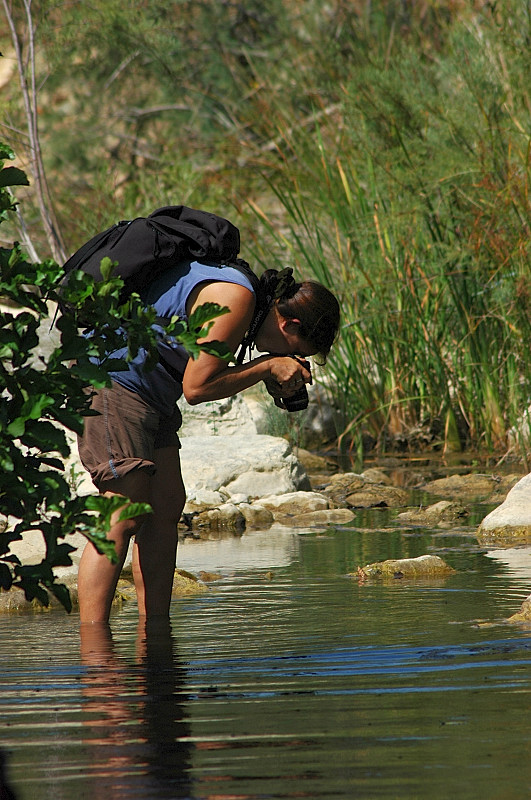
x,y
301,683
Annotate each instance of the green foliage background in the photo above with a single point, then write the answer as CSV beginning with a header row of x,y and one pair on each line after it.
x,y
381,147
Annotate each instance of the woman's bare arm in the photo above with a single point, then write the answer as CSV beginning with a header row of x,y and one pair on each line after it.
x,y
210,378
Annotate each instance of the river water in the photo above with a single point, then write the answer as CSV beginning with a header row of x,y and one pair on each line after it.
x,y
288,679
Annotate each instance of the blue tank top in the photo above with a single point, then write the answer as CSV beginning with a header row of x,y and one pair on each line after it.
x,y
168,295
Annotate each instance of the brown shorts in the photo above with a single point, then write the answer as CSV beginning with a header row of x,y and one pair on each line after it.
x,y
124,434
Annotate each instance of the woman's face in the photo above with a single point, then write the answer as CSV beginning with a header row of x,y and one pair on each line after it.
x,y
280,335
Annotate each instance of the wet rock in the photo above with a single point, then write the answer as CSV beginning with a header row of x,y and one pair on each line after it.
x,y
324,518
422,567
294,503
524,614
510,523
368,490
225,517
443,512
209,577
504,485
15,601
471,486
203,500
185,584
372,496
313,463
375,475
256,516
341,485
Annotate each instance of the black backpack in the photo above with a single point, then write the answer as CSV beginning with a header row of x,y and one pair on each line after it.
x,y
146,246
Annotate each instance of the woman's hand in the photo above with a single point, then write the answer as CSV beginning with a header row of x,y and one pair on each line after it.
x,y
287,375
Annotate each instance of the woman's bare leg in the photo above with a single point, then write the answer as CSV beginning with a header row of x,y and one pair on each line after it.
x,y
155,548
97,576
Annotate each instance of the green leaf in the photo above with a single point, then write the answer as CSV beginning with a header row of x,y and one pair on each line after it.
x,y
107,268
35,405
102,544
69,418
204,314
17,427
219,349
134,510
6,151
13,176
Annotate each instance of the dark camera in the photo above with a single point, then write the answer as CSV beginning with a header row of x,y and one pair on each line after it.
x,y
297,401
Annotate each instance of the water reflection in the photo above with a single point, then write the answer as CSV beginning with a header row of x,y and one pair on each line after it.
x,y
135,731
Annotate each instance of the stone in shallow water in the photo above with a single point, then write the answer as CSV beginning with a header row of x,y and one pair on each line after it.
x,y
255,515
443,511
471,486
422,567
226,517
510,523
324,518
294,503
372,496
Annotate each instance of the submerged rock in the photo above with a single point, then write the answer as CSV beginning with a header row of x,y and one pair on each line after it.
x,y
373,496
227,516
341,485
422,567
322,518
471,486
369,490
186,584
510,523
442,513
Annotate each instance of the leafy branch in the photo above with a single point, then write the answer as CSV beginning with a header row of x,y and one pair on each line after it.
x,y
44,397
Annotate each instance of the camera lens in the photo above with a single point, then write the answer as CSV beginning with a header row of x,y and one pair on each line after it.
x,y
297,401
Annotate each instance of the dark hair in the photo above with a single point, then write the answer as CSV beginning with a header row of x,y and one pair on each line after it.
x,y
316,308
310,302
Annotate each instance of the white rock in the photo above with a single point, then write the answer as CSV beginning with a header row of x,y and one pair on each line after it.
x,y
255,484
295,502
213,462
238,499
515,511
227,417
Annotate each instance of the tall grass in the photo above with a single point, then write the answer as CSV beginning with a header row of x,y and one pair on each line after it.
x,y
385,148
413,204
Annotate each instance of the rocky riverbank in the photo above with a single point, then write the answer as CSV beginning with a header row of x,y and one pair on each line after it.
x,y
239,478
254,482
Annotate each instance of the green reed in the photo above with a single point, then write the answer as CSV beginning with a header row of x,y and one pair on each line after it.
x,y
432,265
